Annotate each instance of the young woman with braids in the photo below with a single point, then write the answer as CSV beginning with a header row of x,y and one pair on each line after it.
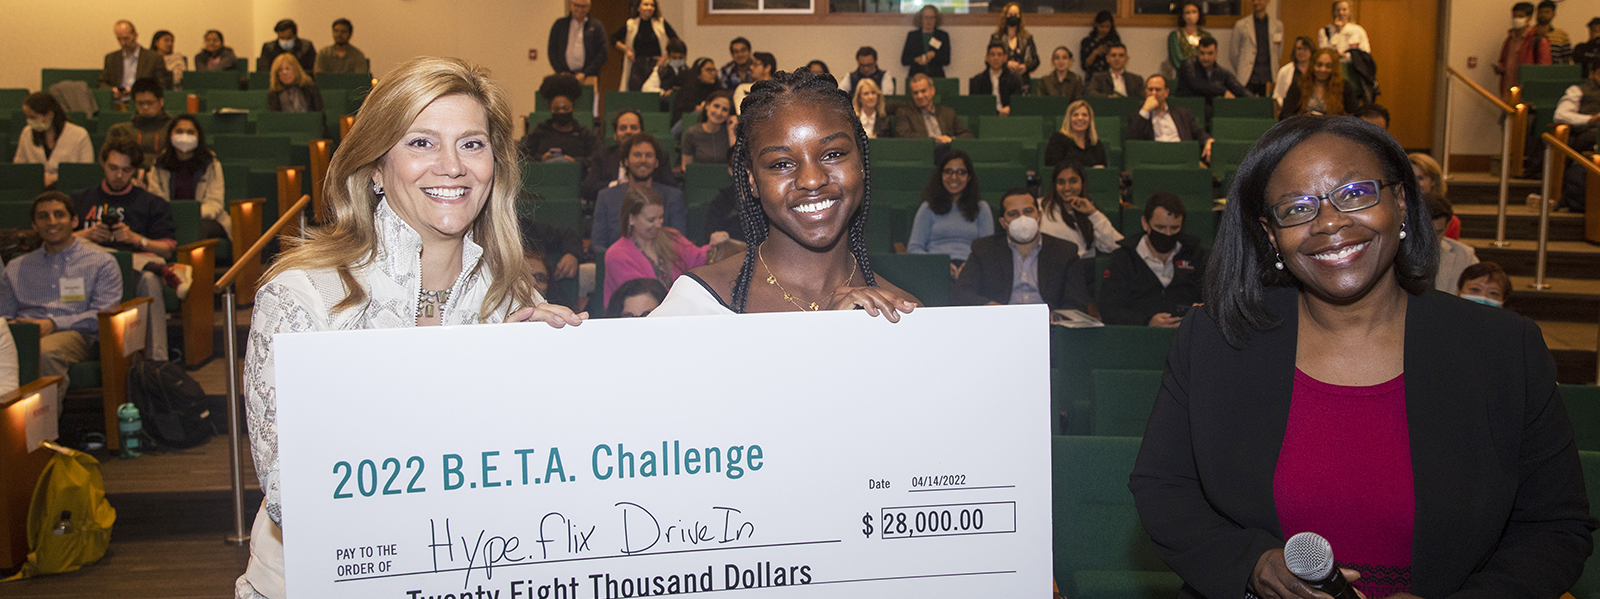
x,y
801,170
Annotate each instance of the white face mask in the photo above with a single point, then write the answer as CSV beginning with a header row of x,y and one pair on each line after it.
x,y
1519,22
185,142
1484,300
1023,229
286,44
40,125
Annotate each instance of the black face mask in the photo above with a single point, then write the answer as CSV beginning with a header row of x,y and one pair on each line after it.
x,y
561,118
1013,21
1161,242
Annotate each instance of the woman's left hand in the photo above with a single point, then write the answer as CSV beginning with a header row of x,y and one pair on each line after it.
x,y
555,315
877,301
1084,206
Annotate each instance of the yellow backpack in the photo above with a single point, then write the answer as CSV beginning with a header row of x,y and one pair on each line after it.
x,y
69,521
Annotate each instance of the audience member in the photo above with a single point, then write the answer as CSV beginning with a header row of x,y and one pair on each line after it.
x,y
738,68
1160,122
292,90
1154,280
561,138
1343,35
188,170
1560,43
709,141
607,167
818,67
867,68
762,66
1373,113
1454,256
61,287
1183,43
1587,54
342,57
642,47
871,110
49,138
666,79
1021,265
577,43
647,248
148,127
215,56
1485,283
1324,92
927,49
1061,82
10,370
1257,44
1077,140
698,83
636,298
1115,81
1095,47
952,213
1430,181
722,215
1289,75
643,154
1523,45
162,43
1579,109
926,119
1066,214
131,63
555,249
288,42
538,271
1203,77
1022,57
996,80
120,216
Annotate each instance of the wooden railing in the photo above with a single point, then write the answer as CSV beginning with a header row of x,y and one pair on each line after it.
x,y
1513,127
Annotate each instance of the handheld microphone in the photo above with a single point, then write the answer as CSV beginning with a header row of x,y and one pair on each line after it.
x,y
1310,557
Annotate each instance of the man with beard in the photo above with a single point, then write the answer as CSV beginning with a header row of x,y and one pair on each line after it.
x,y
642,156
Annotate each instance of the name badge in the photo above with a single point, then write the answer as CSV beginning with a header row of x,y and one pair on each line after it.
x,y
72,289
935,43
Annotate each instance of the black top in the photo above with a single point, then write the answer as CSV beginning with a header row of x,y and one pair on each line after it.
x,y
1291,100
224,55
1500,503
723,214
1195,80
578,143
989,273
981,85
1261,71
276,101
594,46
914,47
645,43
145,213
1088,46
1586,54
1189,129
1131,293
304,51
1061,149
602,170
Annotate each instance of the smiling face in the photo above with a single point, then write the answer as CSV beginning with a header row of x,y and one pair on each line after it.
x,y
922,94
717,111
1338,256
1191,15
1069,184
807,172
954,175
438,176
869,98
164,44
627,124
54,224
1078,121
646,224
641,161
213,42
740,53
647,9
1322,68
1060,60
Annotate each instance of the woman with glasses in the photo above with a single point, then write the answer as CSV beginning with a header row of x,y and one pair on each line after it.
x,y
952,213
1326,387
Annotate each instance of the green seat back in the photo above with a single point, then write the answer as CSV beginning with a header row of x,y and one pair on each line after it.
x,y
552,179
197,81
103,99
73,176
26,177
186,215
534,118
1024,128
235,181
130,279
1192,185
1543,97
1122,401
1583,408
994,178
565,212
334,105
617,101
584,104
1588,585
1195,104
1241,108
886,150
25,336
1117,107
1160,154
215,124
11,100
1570,73
16,209
1005,151
84,375
1051,108
291,123
1104,186
1237,129
107,119
260,152
254,100
1079,352
901,177
943,86
259,81
706,176
1100,548
657,124
926,276
49,77
970,107
344,81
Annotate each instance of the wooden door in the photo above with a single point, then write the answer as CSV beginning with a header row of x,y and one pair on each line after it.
x,y
614,13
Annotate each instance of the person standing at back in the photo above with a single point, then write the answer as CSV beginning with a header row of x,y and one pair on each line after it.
x,y
642,40
927,49
1523,45
1257,44
342,57
1560,42
577,43
1343,35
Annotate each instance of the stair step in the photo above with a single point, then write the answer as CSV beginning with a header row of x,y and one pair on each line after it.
x,y
1565,259
1522,222
1480,188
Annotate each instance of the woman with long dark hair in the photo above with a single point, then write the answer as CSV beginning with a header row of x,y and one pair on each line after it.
x,y
952,213
804,182
49,138
1094,46
1022,55
1327,387
1323,91
187,169
1068,213
699,82
1184,42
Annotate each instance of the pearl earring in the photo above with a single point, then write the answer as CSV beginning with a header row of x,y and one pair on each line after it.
x,y
1402,230
1279,264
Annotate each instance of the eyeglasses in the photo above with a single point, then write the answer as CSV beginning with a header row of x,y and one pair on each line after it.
x,y
955,172
1349,197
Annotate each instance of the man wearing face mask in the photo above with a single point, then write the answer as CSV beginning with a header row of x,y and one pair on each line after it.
x,y
1523,45
669,76
149,123
1155,279
288,42
1020,265
561,138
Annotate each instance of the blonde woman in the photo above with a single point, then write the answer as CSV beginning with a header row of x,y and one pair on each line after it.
x,y
1343,35
424,233
869,104
1077,140
292,90
1430,181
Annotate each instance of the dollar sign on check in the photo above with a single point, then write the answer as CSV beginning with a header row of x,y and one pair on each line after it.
x,y
867,520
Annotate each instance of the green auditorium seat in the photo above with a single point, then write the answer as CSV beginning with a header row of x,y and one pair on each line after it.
x,y
1005,151
1022,129
107,119
198,81
73,176
1192,185
16,208
1241,108
617,101
23,177
1104,186
926,276
1052,108
1079,352
49,77
706,176
258,81
1117,107
104,101
1160,154
25,337
534,118
1100,549
970,108
259,152
1570,73
1226,156
1583,408
943,87
11,100
657,124
1237,129
1195,104
552,179
1122,401
254,100
905,177
301,127
1543,97
1113,132
565,212
916,151
344,81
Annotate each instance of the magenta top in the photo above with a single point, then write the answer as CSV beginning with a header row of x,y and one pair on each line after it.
x,y
624,262
1345,473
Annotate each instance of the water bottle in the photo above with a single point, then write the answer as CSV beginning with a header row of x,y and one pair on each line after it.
x,y
130,427
64,526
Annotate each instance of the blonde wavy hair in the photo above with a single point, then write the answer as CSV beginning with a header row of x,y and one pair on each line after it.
x,y
1430,169
351,240
865,83
1066,121
300,76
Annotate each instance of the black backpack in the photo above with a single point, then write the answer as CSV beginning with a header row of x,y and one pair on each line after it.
x,y
173,408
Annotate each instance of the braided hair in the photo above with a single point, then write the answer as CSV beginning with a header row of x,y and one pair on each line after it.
x,y
765,99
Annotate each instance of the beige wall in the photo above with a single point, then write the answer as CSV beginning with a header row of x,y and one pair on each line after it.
x,y
76,34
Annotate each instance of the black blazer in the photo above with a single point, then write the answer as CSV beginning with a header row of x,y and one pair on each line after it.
x,y
304,51
1500,503
1100,85
1189,129
987,274
1195,81
913,48
1130,292
1291,101
594,46
1010,84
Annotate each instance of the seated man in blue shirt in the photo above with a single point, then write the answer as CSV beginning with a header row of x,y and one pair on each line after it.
x,y
1020,265
1155,279
60,287
641,154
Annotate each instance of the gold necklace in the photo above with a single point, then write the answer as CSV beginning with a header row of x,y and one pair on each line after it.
x,y
772,279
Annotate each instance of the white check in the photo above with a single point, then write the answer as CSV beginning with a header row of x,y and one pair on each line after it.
x,y
785,455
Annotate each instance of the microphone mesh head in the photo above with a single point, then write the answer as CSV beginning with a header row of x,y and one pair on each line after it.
x,y
1309,556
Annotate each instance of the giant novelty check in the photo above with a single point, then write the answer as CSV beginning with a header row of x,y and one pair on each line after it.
x,y
787,455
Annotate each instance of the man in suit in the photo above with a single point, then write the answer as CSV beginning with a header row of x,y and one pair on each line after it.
x,y
1154,279
996,80
1020,265
1159,122
577,43
642,153
926,119
131,63
288,42
1201,76
1246,55
1116,81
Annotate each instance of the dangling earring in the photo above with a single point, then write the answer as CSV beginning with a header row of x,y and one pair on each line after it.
x,y
1279,264
1402,230
377,188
